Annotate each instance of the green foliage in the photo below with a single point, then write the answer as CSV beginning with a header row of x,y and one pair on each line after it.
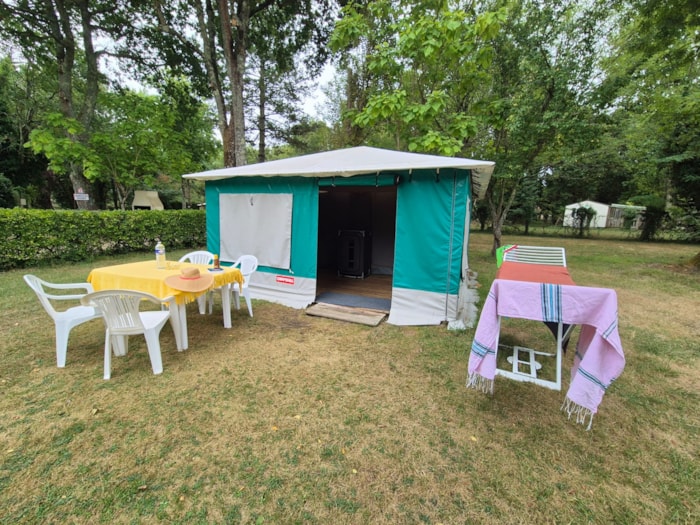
x,y
7,197
582,217
6,124
652,91
23,96
40,237
653,216
276,82
58,140
541,67
425,64
572,100
159,138
140,155
685,223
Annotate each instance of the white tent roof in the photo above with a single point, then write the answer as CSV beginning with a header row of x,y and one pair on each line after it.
x,y
361,160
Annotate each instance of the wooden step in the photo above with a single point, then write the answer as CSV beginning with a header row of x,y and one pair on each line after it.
x,y
344,313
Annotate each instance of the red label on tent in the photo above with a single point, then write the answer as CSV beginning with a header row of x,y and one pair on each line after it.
x,y
283,279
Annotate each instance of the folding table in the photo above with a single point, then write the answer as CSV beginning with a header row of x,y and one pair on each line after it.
x,y
146,277
599,358
537,273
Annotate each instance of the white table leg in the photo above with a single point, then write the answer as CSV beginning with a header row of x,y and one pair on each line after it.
x,y
183,327
226,304
178,313
202,303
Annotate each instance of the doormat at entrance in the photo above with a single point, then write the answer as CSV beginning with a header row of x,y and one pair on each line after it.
x,y
344,313
354,301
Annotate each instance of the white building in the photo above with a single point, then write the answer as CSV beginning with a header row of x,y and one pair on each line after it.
x,y
598,221
606,215
146,200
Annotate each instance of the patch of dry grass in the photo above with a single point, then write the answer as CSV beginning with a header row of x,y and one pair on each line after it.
x,y
289,418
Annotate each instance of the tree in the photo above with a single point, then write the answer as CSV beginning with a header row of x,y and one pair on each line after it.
x,y
62,37
540,76
158,137
137,159
593,165
281,66
7,196
211,41
7,134
652,90
508,81
425,63
24,96
582,218
193,145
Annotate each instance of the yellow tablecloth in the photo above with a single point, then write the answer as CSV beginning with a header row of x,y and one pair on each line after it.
x,y
145,277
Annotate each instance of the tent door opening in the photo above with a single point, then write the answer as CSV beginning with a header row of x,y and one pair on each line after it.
x,y
356,236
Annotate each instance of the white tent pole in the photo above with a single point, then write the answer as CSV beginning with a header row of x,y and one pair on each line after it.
x,y
452,235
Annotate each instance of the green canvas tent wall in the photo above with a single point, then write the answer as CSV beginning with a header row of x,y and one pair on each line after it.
x,y
413,210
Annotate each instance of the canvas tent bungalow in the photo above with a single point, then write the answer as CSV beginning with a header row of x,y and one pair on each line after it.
x,y
606,216
406,214
598,220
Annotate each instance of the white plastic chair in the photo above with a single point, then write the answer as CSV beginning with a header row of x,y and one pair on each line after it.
x,y
198,257
65,320
122,315
551,255
247,264
202,257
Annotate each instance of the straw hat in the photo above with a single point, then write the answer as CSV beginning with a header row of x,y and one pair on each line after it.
x,y
190,280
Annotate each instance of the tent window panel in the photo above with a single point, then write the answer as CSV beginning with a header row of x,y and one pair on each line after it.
x,y
259,224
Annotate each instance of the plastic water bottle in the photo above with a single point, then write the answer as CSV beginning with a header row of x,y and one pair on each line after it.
x,y
160,256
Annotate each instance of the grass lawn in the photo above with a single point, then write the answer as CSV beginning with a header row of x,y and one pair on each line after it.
x,y
288,418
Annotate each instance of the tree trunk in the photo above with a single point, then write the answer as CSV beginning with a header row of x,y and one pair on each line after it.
x,y
92,80
227,139
234,29
62,34
496,238
186,189
238,70
261,114
82,185
499,212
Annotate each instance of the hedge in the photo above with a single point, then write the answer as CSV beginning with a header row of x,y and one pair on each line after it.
x,y
41,237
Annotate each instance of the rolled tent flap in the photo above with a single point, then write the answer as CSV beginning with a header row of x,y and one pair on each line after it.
x,y
377,180
430,231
